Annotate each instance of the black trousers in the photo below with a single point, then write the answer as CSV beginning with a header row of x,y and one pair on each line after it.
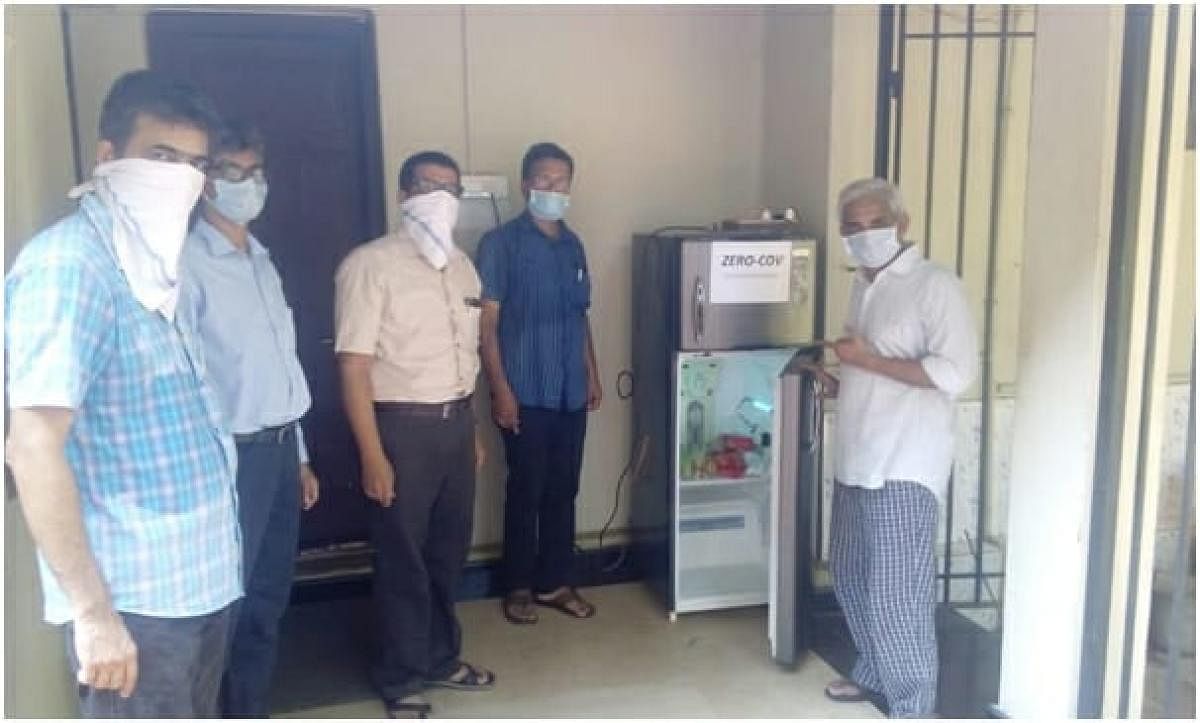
x,y
421,544
544,461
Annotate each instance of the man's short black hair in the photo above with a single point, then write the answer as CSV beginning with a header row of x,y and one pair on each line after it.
x,y
239,135
154,94
408,170
542,151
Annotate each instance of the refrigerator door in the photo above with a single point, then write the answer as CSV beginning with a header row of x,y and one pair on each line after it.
x,y
792,504
746,294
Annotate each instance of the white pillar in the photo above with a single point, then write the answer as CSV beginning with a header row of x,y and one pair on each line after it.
x,y
1068,222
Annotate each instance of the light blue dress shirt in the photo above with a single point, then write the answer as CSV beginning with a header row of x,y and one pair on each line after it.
x,y
233,302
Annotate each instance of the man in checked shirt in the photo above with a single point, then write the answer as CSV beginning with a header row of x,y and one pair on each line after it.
x,y
119,451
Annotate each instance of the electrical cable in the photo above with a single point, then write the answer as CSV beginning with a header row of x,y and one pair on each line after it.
x,y
664,229
634,466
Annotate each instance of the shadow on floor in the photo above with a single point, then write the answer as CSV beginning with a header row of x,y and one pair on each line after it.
x,y
341,630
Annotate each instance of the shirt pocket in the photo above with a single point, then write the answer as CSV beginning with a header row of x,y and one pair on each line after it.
x,y
158,350
579,284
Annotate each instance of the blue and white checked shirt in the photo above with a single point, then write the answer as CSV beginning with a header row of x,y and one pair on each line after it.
x,y
544,291
233,303
154,465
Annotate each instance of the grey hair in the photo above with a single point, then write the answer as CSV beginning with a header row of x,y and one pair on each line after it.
x,y
875,189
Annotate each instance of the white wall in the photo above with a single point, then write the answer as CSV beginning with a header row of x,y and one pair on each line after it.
x,y
1068,224
37,173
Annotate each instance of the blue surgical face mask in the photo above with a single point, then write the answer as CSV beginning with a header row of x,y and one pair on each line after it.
x,y
548,205
874,247
239,201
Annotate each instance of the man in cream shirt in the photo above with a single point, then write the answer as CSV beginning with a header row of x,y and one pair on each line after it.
x,y
909,350
407,317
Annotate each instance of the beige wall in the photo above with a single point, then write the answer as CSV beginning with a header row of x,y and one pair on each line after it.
x,y
1183,327
106,41
37,140
662,108
37,173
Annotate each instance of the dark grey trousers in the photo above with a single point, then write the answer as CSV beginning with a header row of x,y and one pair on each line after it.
x,y
180,661
421,543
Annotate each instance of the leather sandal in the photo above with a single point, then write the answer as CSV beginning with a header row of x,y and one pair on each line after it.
x,y
562,602
466,677
518,608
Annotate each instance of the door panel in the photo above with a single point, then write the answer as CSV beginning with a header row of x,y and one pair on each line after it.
x,y
309,82
706,325
793,518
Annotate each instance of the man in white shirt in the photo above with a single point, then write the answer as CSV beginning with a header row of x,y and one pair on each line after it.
x,y
909,349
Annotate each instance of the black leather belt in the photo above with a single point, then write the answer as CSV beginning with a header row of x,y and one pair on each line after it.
x,y
439,410
267,435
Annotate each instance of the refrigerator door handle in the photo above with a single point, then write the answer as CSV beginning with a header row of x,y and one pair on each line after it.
x,y
698,298
818,414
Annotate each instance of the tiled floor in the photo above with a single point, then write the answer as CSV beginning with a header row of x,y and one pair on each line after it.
x,y
628,661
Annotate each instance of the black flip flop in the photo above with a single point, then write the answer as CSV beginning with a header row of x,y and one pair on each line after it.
x,y
399,708
475,679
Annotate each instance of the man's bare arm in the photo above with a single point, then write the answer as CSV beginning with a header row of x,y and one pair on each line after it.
x,y
49,498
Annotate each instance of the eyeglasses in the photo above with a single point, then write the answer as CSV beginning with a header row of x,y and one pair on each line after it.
x,y
543,182
232,172
171,155
423,185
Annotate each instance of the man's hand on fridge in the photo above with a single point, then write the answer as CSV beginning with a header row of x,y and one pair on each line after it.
x,y
829,383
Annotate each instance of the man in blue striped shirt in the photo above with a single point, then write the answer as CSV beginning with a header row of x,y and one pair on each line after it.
x,y
540,363
118,448
232,301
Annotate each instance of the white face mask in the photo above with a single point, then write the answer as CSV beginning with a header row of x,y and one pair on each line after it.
x,y
874,247
150,202
429,219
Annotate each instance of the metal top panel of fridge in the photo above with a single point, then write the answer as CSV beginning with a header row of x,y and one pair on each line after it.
x,y
726,290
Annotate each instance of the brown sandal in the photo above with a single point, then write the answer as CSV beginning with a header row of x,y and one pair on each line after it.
x,y
518,608
562,601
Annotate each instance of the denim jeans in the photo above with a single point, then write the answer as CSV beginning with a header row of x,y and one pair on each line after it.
x,y
268,482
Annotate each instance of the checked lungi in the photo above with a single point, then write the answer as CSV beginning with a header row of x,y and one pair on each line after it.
x,y
882,559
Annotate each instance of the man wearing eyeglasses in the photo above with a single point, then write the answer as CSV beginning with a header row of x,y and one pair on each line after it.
x,y
232,302
407,339
118,447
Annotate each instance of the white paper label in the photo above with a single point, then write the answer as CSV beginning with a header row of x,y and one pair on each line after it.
x,y
751,272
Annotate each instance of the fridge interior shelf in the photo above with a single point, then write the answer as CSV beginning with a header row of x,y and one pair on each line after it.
x,y
722,481
722,586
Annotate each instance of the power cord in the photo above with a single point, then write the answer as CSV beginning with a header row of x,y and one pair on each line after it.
x,y
632,467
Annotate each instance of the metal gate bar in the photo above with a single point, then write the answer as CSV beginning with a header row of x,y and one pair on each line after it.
x,y
893,64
